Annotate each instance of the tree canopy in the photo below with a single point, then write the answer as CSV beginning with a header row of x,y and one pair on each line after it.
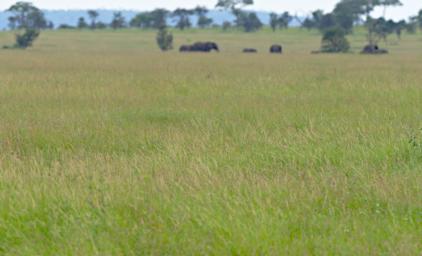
x,y
233,4
203,20
118,21
182,16
26,15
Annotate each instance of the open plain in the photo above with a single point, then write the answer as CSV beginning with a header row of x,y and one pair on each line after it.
x,y
109,146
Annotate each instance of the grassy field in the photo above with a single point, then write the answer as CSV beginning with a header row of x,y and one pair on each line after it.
x,y
110,147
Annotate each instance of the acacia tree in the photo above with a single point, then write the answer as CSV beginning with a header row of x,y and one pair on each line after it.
x,y
26,16
142,20
29,18
418,19
12,22
349,12
314,21
93,15
281,21
82,23
159,18
203,20
273,21
284,20
249,21
118,21
182,16
388,3
233,4
374,26
154,19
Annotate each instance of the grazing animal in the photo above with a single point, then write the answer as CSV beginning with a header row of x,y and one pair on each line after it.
x,y
276,49
184,48
200,47
250,50
373,49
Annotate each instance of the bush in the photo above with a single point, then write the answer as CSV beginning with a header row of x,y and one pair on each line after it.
x,y
66,26
226,25
334,40
164,39
26,39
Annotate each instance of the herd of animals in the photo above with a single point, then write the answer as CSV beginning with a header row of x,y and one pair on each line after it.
x,y
276,48
211,46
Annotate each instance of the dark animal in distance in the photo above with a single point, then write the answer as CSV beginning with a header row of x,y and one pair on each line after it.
x,y
184,48
373,49
200,47
276,49
250,50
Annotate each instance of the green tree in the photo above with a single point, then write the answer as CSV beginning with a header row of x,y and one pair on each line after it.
x,y
65,26
203,20
273,21
159,18
27,38
317,17
334,41
93,15
347,13
284,20
101,25
388,3
377,29
233,4
50,25
399,27
281,21
327,22
164,39
249,21
314,21
226,25
411,26
418,19
82,23
12,23
308,23
26,16
36,20
368,6
142,20
182,16
118,21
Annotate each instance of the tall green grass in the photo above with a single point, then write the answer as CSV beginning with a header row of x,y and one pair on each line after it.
x,y
110,147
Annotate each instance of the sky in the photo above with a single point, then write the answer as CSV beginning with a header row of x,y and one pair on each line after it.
x,y
301,7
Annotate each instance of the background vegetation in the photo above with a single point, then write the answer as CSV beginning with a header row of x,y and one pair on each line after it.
x,y
334,25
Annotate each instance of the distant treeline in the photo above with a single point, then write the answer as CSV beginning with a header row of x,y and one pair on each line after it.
x,y
346,15
334,26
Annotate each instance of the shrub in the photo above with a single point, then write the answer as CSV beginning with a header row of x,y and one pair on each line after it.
x,y
334,40
226,25
26,39
164,39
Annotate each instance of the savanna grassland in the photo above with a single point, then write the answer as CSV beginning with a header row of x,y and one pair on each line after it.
x,y
110,147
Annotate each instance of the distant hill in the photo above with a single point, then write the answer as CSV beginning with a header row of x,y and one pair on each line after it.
x,y
71,17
